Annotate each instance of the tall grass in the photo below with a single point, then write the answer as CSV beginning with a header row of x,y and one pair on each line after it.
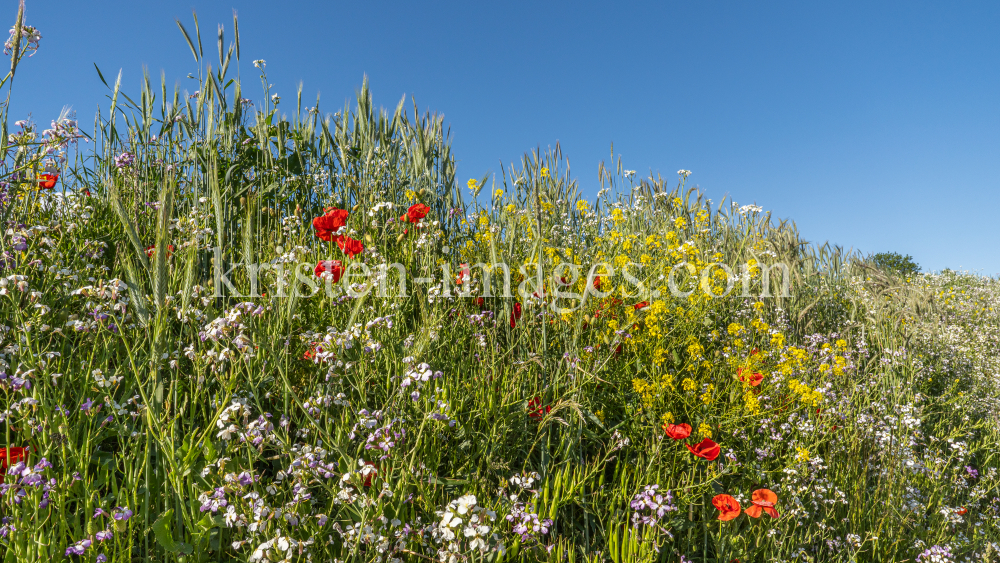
x,y
183,395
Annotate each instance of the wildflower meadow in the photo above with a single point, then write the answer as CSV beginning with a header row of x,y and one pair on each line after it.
x,y
234,327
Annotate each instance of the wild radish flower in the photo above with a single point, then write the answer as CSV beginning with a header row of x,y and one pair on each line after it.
x,y
260,63
650,505
78,548
936,554
30,38
124,160
214,502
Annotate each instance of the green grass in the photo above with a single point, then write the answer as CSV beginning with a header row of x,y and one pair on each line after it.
x,y
283,425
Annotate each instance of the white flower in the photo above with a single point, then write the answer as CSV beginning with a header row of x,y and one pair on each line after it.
x,y
260,63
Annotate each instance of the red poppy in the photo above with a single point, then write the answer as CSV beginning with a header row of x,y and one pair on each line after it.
x,y
763,501
334,267
962,511
415,213
677,431
729,508
350,246
480,302
463,274
640,306
706,449
9,456
754,352
151,250
310,353
515,315
597,282
330,222
754,378
47,181
535,409
369,473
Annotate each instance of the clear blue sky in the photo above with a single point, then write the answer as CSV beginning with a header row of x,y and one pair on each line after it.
x,y
874,125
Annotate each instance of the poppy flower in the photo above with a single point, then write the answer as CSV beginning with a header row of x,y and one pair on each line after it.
x,y
677,431
369,474
151,250
729,508
415,213
597,282
535,409
8,457
47,181
640,306
463,274
330,222
763,501
754,379
706,449
310,353
350,246
480,302
333,267
515,315
961,511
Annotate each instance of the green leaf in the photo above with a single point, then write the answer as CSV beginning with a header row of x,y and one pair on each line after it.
x,y
161,529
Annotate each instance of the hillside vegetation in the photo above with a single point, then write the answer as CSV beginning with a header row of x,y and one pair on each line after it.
x,y
195,365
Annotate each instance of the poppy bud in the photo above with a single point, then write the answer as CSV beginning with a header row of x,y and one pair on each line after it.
x,y
355,208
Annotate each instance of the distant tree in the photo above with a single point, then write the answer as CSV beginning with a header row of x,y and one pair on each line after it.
x,y
895,263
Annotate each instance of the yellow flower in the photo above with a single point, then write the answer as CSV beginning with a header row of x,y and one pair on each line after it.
x,y
582,205
410,195
617,215
498,194
473,185
704,430
545,172
510,208
801,454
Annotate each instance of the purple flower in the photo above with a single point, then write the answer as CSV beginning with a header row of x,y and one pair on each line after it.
x,y
121,513
87,405
104,535
102,558
42,464
78,548
972,472
124,160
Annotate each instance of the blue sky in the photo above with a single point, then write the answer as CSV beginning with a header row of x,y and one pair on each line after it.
x,y
874,125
